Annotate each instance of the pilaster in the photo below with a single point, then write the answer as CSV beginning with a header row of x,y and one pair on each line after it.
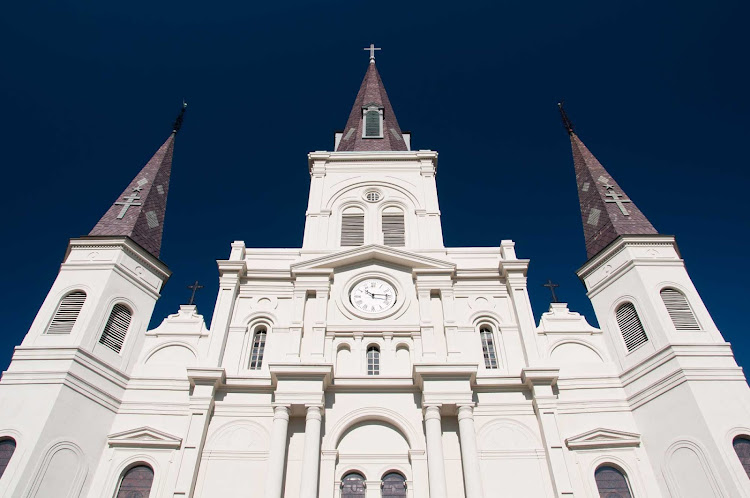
x,y
541,381
204,383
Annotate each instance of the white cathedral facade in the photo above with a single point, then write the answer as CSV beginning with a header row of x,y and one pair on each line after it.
x,y
373,361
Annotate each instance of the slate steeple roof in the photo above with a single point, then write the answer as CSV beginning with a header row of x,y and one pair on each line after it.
x,y
140,210
370,92
606,212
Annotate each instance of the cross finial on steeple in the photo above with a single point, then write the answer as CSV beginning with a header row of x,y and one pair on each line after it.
x,y
178,122
372,50
567,123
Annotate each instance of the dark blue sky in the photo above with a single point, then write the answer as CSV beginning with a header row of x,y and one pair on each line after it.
x,y
657,90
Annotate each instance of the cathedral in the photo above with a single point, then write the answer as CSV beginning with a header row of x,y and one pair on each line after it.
x,y
373,361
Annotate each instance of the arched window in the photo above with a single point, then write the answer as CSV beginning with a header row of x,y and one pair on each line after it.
x,y
611,482
116,328
679,310
67,313
352,227
353,486
373,360
7,448
488,347
136,482
742,448
372,124
394,231
259,347
393,485
631,327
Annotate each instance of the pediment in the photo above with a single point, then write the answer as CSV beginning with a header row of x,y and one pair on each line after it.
x,y
377,253
603,438
144,437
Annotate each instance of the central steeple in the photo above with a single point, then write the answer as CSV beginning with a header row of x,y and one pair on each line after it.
x,y
372,124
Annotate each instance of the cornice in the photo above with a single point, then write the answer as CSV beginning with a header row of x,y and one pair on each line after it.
x,y
618,245
128,246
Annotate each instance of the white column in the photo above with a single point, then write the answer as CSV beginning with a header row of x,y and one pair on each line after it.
x,y
311,457
435,460
277,453
469,455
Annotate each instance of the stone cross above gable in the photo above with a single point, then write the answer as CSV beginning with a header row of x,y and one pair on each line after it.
x,y
551,286
372,50
194,288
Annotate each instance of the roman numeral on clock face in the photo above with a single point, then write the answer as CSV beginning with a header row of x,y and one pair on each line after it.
x,y
373,295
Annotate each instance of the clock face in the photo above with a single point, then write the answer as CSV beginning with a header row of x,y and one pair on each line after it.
x,y
373,296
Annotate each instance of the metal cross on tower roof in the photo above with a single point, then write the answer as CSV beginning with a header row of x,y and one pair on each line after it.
x,y
194,287
552,286
372,50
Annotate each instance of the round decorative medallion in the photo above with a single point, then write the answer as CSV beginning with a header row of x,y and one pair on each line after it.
x,y
373,295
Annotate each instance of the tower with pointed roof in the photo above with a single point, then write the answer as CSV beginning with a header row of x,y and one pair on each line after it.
x,y
687,394
84,342
373,361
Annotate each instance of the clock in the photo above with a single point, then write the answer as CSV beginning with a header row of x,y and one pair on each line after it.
x,y
373,295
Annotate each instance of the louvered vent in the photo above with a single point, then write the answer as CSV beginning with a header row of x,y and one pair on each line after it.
x,y
372,124
394,233
352,229
67,313
679,310
631,327
116,328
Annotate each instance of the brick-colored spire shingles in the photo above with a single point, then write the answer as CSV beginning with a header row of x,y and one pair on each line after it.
x,y
603,221
143,220
372,90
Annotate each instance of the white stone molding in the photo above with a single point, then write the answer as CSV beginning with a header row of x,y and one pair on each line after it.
x,y
704,460
169,344
603,438
76,480
581,342
535,447
627,463
116,473
143,437
334,434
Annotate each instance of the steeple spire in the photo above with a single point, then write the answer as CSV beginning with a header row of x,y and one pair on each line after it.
x,y
139,211
380,130
606,212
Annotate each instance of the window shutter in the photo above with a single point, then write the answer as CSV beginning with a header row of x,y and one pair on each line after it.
x,y
630,326
67,313
352,229
679,310
372,124
394,232
116,328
